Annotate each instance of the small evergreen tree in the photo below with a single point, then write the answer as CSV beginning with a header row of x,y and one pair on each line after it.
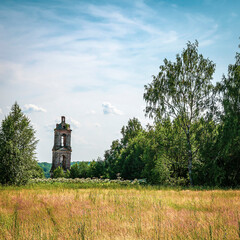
x,y
18,144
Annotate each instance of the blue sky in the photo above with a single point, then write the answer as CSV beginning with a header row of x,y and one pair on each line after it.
x,y
90,60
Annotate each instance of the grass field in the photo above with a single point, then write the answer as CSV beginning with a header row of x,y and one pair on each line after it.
x,y
58,211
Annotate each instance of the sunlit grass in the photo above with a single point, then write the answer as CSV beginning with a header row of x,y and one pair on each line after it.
x,y
40,212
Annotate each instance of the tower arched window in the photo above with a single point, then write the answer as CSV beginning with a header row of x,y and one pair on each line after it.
x,y
63,140
62,162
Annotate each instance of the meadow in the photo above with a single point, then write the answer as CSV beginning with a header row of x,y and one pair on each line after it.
x,y
84,211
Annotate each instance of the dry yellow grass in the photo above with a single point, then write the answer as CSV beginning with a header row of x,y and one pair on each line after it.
x,y
119,214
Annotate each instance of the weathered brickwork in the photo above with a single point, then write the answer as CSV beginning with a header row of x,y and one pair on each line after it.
x,y
61,152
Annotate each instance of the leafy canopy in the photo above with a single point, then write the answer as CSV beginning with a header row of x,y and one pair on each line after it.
x,y
182,88
182,91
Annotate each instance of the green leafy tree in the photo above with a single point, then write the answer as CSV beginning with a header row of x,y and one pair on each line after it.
x,y
130,131
58,173
176,149
67,174
111,159
206,169
84,169
97,168
131,157
182,90
228,156
18,144
79,170
114,157
164,154
46,168
75,171
38,172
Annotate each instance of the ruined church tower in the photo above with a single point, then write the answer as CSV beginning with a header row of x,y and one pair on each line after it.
x,y
61,152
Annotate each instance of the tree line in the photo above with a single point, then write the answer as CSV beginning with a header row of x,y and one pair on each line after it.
x,y
195,138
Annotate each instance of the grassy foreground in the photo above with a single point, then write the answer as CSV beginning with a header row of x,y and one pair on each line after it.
x,y
58,211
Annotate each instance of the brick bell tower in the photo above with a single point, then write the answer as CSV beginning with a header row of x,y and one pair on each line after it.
x,y
61,152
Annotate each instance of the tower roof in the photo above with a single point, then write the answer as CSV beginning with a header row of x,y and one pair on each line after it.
x,y
63,125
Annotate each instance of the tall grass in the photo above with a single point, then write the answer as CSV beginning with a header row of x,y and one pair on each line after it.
x,y
59,211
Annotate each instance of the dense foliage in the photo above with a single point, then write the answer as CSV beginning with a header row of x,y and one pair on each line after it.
x,y
183,91
46,168
17,152
195,138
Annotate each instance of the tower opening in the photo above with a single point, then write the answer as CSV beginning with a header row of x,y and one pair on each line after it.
x,y
62,162
63,140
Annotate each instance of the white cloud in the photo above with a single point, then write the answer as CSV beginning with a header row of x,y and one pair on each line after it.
x,y
207,42
108,108
99,52
50,127
74,123
92,112
33,108
0,111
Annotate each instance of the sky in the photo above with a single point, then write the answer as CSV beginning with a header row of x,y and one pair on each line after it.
x,y
89,60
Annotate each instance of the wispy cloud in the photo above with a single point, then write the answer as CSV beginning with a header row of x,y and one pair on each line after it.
x,y
49,127
91,112
71,56
233,14
108,108
74,123
28,108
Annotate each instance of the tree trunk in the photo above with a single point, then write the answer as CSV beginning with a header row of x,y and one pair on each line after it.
x,y
190,157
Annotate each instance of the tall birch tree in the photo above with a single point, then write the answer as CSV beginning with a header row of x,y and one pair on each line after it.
x,y
182,90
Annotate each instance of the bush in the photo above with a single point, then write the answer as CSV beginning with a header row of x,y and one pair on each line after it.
x,y
58,173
